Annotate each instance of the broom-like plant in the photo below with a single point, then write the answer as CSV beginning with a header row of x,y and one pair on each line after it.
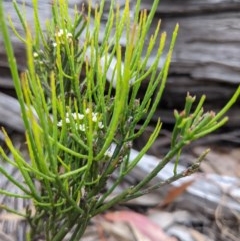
x,y
79,105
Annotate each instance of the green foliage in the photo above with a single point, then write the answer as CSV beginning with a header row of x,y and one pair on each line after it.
x,y
77,98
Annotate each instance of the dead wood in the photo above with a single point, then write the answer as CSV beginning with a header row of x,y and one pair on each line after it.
x,y
206,57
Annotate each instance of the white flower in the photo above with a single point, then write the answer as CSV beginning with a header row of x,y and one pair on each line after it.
x,y
59,123
77,116
108,154
100,125
82,127
87,111
94,117
67,120
69,35
54,44
35,54
59,33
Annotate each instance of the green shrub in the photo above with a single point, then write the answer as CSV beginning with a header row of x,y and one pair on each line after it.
x,y
79,105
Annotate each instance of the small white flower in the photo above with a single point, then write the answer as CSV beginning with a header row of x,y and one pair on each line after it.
x,y
82,127
59,123
69,35
54,44
94,117
108,154
60,33
35,54
80,116
67,120
87,111
77,116
100,125
74,115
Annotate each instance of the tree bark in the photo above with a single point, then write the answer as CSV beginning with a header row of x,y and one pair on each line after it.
x,y
206,58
